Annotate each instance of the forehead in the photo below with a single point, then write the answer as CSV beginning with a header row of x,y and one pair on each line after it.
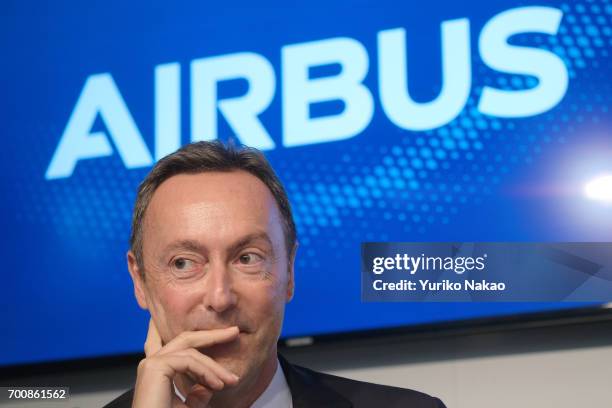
x,y
219,204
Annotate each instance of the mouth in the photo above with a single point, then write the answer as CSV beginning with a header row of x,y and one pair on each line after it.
x,y
227,346
242,330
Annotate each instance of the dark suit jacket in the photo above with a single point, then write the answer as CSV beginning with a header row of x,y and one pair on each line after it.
x,y
312,389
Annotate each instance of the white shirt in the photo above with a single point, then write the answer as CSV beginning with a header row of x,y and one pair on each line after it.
x,y
276,394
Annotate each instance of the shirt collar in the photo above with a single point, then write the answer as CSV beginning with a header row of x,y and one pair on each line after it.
x,y
277,394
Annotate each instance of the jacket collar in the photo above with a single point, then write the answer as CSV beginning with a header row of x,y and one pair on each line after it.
x,y
307,390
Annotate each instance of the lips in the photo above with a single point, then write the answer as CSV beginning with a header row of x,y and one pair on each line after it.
x,y
243,329
240,330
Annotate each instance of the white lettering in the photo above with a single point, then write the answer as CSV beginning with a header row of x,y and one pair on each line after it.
x,y
400,108
241,112
547,67
99,96
299,92
167,109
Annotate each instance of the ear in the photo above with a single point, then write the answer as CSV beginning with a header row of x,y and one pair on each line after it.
x,y
290,271
138,280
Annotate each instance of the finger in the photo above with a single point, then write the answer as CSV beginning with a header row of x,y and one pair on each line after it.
x,y
198,397
150,369
153,343
227,376
200,338
187,364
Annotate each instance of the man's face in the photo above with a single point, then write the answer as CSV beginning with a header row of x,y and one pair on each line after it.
x,y
214,256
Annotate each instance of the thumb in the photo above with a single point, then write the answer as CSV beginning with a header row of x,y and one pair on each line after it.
x,y
153,342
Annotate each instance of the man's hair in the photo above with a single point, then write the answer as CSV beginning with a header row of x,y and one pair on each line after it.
x,y
201,157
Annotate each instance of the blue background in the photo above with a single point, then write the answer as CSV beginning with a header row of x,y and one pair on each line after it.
x,y
67,293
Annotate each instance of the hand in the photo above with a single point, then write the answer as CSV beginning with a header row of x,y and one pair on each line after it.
x,y
154,387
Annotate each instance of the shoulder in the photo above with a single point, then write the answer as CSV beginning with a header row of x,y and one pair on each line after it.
x,y
364,394
122,401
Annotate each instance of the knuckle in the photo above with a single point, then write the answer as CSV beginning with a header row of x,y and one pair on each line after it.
x,y
146,364
143,365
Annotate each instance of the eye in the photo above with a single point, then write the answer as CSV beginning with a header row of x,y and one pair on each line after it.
x,y
183,264
250,258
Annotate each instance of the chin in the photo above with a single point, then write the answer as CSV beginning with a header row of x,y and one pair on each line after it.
x,y
240,360
236,365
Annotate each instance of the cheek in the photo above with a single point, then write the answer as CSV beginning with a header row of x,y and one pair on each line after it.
x,y
172,306
264,302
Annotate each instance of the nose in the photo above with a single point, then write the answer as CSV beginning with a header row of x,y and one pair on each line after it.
x,y
219,295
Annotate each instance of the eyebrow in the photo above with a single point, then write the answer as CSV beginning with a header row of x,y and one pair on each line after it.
x,y
251,238
195,246
188,244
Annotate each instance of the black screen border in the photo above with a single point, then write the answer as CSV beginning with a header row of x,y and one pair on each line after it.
x,y
556,318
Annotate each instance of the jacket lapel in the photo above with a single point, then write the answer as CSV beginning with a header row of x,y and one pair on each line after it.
x,y
307,391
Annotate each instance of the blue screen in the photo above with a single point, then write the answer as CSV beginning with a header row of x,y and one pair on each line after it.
x,y
387,121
